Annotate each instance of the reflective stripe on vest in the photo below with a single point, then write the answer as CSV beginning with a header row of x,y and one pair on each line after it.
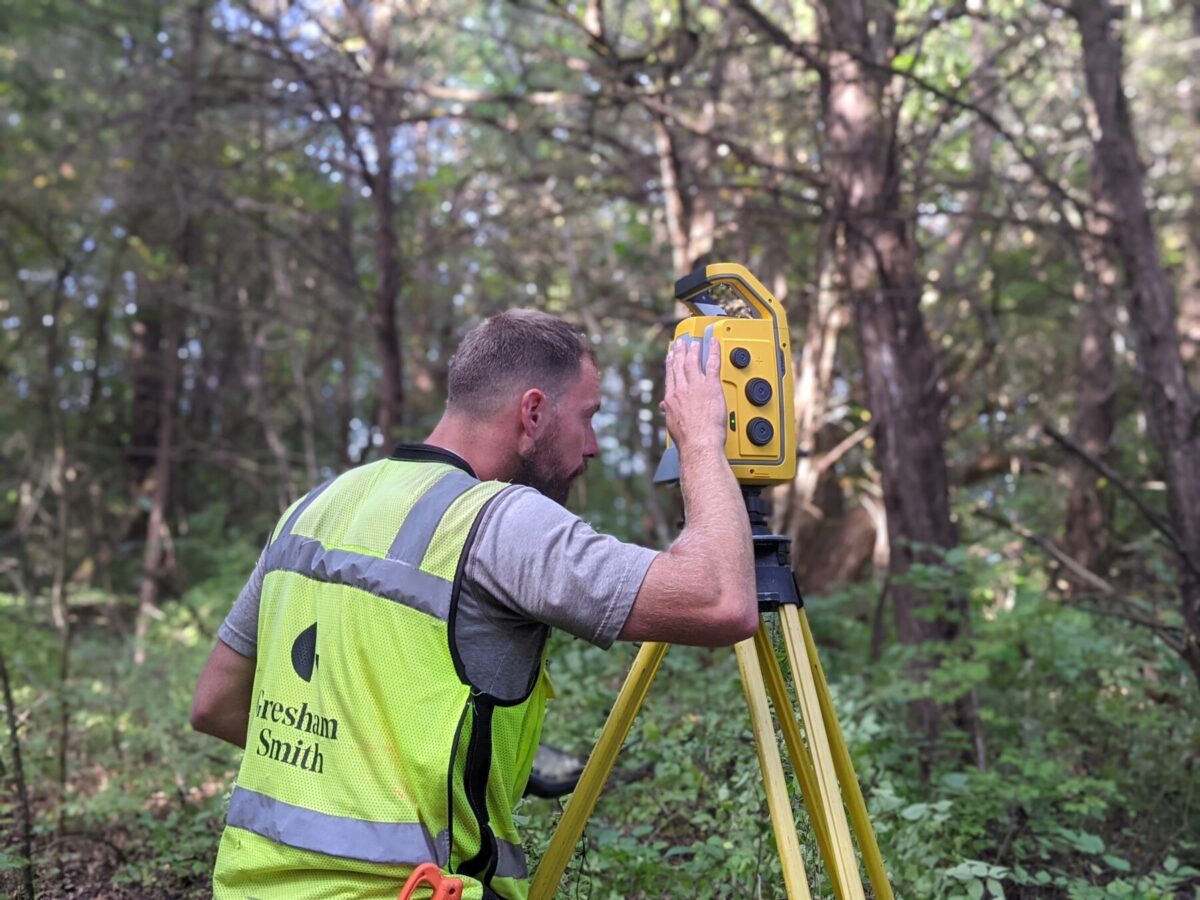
x,y
300,507
390,579
400,843
511,862
397,843
396,577
422,521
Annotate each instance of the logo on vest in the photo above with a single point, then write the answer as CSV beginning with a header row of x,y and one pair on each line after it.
x,y
304,652
287,746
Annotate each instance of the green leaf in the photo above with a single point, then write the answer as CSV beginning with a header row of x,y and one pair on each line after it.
x,y
1116,862
975,889
914,811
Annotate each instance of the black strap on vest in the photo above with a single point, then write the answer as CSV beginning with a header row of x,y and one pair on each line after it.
x,y
482,865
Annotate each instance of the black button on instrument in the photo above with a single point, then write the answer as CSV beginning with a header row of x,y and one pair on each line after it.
x,y
740,357
758,391
760,432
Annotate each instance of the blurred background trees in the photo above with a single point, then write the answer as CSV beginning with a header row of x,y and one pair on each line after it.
x,y
239,241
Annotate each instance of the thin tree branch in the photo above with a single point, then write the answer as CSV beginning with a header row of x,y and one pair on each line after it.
x,y
1087,576
1157,521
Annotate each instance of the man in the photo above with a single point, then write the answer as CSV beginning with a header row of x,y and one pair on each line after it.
x,y
384,666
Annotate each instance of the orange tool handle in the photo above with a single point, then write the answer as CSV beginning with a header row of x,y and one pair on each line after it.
x,y
444,888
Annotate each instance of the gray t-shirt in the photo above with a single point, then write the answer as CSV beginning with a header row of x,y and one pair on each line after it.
x,y
532,563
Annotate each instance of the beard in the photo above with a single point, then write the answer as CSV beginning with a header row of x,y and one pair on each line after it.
x,y
539,470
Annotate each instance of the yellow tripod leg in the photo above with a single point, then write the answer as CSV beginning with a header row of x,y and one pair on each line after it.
x,y
778,803
801,761
595,773
872,858
803,671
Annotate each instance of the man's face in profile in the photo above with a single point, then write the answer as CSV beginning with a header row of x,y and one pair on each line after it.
x,y
560,453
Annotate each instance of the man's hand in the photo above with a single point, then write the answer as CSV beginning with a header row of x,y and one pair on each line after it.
x,y
693,400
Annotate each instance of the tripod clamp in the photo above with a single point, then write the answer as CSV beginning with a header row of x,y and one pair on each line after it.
x,y
773,575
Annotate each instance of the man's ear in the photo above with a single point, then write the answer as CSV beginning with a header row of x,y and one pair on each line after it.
x,y
534,409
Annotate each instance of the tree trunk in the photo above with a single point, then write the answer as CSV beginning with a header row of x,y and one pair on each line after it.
x,y
830,542
145,336
254,379
26,833
382,100
877,265
346,290
1189,305
691,220
1085,536
1172,411
157,558
387,335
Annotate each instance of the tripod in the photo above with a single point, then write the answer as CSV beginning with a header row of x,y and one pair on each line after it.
x,y
822,764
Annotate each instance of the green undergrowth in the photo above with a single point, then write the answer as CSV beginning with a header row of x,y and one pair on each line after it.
x,y
1087,731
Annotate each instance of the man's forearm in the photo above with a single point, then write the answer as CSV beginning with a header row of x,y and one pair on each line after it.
x,y
716,524
228,726
221,705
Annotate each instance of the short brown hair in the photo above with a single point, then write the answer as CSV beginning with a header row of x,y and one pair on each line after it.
x,y
519,348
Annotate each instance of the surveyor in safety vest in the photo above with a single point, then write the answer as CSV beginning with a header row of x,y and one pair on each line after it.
x,y
384,667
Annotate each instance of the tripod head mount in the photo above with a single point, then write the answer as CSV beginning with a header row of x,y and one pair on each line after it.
x,y
773,575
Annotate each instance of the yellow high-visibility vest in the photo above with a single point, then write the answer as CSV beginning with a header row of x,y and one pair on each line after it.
x,y
368,751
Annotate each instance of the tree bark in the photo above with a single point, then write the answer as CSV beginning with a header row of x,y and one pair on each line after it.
x,y
1085,536
878,272
144,340
691,220
157,558
1189,306
19,777
254,379
832,543
387,335
382,99
1171,408
346,289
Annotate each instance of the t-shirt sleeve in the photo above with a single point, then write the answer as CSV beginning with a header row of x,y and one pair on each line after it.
x,y
240,628
544,562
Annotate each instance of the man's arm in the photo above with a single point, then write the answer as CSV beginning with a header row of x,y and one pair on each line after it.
x,y
702,590
221,705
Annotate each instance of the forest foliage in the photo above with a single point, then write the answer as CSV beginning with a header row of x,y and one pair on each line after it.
x,y
240,240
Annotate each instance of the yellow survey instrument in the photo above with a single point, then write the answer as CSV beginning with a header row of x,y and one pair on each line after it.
x,y
729,304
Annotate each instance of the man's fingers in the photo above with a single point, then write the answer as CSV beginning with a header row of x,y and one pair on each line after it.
x,y
687,360
712,365
684,363
671,370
